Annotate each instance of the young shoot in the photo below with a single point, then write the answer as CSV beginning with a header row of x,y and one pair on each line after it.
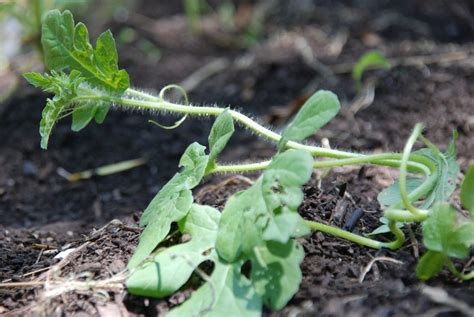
x,y
260,224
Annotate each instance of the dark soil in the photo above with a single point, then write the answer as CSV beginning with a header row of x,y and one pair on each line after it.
x,y
43,214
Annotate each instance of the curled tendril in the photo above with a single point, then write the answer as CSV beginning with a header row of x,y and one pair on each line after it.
x,y
186,102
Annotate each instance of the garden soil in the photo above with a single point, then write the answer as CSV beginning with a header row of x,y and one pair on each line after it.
x,y
306,46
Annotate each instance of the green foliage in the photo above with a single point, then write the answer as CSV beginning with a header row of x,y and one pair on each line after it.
x,y
252,244
441,233
384,228
171,204
267,211
318,110
228,291
65,88
445,184
256,225
467,191
447,172
221,132
444,237
67,45
369,60
430,264
226,288
276,274
172,267
391,195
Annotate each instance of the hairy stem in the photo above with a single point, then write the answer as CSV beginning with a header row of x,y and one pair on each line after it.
x,y
405,161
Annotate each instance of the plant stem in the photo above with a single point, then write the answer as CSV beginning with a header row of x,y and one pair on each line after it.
x,y
403,169
399,235
417,163
316,226
459,275
136,99
368,242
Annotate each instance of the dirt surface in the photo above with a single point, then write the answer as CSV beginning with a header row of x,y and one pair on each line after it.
x,y
43,214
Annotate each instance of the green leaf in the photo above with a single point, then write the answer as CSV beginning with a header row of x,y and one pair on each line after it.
x,y
281,188
194,162
37,80
81,116
448,170
221,132
66,45
467,191
391,195
268,209
84,114
430,264
383,228
276,273
441,234
228,293
241,223
315,113
369,60
465,234
171,204
171,268
65,89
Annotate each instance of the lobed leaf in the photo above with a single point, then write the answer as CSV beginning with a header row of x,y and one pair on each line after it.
x,y
467,191
281,188
171,204
65,88
441,234
67,46
445,184
228,293
268,209
238,235
171,268
194,162
276,273
318,110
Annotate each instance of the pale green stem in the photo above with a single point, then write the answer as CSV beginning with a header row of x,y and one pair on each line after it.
x,y
404,161
403,169
399,236
459,275
316,226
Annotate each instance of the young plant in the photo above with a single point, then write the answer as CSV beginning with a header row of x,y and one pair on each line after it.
x,y
369,60
251,244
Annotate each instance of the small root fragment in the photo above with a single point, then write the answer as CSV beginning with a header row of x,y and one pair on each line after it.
x,y
372,262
